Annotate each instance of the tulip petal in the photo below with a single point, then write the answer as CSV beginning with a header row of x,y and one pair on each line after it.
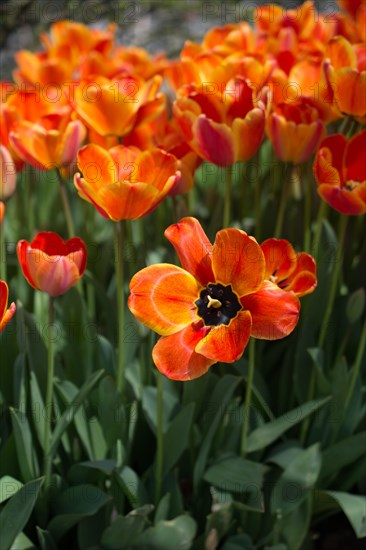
x,y
248,134
213,141
354,162
346,201
22,248
4,295
238,260
280,258
125,200
193,248
162,297
175,355
226,343
72,138
303,279
274,312
51,274
97,166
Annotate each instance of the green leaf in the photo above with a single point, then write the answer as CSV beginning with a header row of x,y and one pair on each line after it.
x,y
37,408
22,542
354,507
238,542
111,412
355,305
295,525
123,532
16,513
165,535
162,510
269,432
71,410
176,437
343,453
220,399
8,487
149,406
45,540
27,457
74,504
131,485
236,475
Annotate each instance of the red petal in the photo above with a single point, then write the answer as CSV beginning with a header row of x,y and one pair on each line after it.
x,y
214,141
274,312
346,201
227,343
355,162
193,248
175,355
238,260
280,258
162,297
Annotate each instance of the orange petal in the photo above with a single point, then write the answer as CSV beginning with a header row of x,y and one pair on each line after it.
x,y
238,260
248,134
162,297
4,295
350,91
213,141
328,165
302,280
346,201
97,166
280,258
193,248
72,138
274,312
175,355
124,200
227,343
51,274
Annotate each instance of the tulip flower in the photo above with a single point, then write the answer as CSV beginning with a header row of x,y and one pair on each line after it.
x,y
2,212
295,130
50,264
340,172
124,182
50,143
5,313
207,310
288,270
8,176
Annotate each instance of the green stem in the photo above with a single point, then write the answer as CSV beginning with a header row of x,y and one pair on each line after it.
x,y
228,197
160,439
308,183
356,367
2,251
248,398
118,252
66,205
257,199
334,284
282,205
323,208
49,394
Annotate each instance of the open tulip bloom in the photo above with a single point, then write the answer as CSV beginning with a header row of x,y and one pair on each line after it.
x,y
207,311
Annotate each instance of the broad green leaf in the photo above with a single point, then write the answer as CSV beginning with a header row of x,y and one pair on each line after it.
x,y
71,410
355,305
37,408
123,532
22,542
237,475
295,525
111,412
238,542
343,453
354,506
220,400
269,432
72,505
149,406
17,511
128,481
165,535
27,457
8,487
45,540
162,510
177,436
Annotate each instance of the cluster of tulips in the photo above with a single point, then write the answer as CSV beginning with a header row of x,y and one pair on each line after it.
x,y
89,108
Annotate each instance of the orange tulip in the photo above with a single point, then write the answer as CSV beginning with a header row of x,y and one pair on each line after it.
x,y
50,143
8,175
288,270
50,264
207,310
115,107
124,182
351,6
340,172
295,130
2,212
5,313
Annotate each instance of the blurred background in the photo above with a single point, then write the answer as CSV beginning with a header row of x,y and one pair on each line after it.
x,y
158,25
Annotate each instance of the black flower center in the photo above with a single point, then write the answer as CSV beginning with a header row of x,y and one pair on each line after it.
x,y
217,304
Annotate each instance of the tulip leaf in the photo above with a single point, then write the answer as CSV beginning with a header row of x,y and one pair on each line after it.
x,y
72,505
235,474
17,511
165,535
176,437
8,487
68,415
123,532
37,409
45,540
238,542
27,457
216,408
111,412
353,506
269,432
343,453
